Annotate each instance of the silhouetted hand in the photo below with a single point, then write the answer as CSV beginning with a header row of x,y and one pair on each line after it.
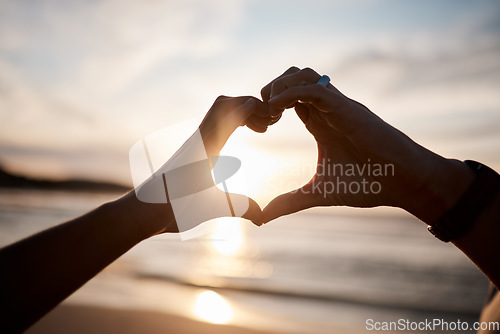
x,y
223,118
362,160
185,180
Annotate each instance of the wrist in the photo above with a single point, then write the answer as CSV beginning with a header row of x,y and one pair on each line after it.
x,y
142,219
441,190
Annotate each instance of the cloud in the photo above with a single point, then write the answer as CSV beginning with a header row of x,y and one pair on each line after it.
x,y
452,70
79,78
122,41
69,71
32,117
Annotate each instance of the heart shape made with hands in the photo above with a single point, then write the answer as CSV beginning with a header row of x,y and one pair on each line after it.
x,y
333,120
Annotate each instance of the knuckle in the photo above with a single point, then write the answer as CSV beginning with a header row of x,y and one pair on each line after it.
x,y
248,97
220,98
309,72
275,86
264,92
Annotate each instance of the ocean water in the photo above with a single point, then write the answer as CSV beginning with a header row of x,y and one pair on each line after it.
x,y
383,258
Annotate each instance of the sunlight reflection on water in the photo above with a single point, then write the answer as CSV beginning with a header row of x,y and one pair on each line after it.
x,y
211,307
232,254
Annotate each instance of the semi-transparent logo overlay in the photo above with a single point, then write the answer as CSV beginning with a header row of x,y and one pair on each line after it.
x,y
186,180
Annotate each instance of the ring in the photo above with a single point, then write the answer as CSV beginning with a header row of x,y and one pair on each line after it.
x,y
323,81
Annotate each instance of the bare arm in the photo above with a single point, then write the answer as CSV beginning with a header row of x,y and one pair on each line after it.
x,y
42,270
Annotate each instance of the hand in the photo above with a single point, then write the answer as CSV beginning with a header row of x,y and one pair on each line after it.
x,y
388,168
185,180
223,118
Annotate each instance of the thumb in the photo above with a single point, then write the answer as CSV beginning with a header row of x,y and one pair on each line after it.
x,y
247,208
234,116
302,111
291,202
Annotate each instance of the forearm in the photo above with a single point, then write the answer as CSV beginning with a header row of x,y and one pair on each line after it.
x,y
440,190
42,270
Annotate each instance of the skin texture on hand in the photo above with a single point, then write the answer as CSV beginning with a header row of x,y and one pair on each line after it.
x,y
424,183
348,133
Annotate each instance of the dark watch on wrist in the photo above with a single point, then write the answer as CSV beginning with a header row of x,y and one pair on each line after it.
x,y
459,219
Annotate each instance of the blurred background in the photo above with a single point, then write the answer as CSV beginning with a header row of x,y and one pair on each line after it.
x,y
82,81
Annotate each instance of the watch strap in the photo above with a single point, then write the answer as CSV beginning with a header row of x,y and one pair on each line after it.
x,y
459,219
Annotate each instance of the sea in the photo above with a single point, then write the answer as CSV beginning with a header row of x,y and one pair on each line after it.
x,y
320,269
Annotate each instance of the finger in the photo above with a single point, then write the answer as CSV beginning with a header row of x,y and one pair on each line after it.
x,y
266,91
302,111
262,120
256,126
321,97
238,116
247,208
336,107
228,103
303,77
288,203
221,122
273,114
275,119
261,108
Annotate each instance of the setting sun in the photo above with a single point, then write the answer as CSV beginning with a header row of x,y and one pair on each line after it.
x,y
228,237
256,169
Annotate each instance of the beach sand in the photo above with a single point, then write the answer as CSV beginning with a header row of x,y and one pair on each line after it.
x,y
76,319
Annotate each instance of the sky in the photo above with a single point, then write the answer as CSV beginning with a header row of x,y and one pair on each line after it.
x,y
82,81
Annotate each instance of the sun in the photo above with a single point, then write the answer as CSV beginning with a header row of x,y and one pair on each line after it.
x,y
257,168
228,237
